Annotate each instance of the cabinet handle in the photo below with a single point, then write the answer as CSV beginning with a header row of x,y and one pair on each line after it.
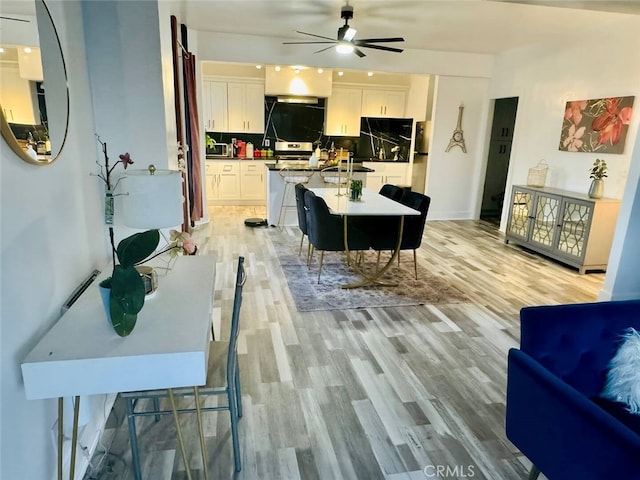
x,y
213,123
249,125
385,109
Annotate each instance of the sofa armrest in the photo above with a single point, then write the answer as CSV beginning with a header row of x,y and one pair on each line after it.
x,y
561,431
577,341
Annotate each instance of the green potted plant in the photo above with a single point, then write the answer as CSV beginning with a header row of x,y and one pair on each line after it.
x,y
598,173
123,293
125,287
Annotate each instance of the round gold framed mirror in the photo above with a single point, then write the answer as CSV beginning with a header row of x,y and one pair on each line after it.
x,y
34,96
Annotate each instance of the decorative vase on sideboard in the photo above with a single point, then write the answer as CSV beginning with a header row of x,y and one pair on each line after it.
x,y
596,190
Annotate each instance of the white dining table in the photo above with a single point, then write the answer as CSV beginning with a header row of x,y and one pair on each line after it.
x,y
371,204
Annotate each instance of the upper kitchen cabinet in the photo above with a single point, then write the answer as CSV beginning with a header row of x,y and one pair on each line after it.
x,y
383,103
246,107
215,106
233,106
343,112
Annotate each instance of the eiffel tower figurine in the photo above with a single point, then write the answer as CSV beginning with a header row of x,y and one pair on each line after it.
x,y
457,140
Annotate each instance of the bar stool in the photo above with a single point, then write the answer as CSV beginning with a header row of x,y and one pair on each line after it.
x,y
331,176
290,178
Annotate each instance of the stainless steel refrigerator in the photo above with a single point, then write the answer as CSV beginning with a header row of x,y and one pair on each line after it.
x,y
420,155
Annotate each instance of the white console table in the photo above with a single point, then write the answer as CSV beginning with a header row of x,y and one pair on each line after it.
x,y
168,348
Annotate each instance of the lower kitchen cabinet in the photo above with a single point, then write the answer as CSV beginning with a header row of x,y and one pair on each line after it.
x,y
567,226
235,182
386,172
252,181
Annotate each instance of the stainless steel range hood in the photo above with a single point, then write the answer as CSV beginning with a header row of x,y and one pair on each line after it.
x,y
297,99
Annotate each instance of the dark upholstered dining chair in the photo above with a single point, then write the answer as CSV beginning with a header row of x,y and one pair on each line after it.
x,y
326,231
412,231
391,191
302,216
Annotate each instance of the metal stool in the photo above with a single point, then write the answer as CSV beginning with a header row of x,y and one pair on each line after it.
x,y
290,179
331,176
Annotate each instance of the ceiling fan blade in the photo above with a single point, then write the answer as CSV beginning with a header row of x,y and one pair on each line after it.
x,y
324,49
314,35
380,47
377,40
305,43
359,52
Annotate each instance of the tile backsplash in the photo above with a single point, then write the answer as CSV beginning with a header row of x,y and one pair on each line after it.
x,y
303,122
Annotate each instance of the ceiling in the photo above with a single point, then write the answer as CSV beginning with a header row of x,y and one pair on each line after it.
x,y
473,26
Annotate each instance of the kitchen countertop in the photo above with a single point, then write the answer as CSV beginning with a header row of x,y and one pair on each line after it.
x,y
375,160
275,166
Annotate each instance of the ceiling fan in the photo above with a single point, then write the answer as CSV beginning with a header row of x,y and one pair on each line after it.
x,y
346,41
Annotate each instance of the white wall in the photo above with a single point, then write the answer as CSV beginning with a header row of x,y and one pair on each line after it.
x,y
51,238
52,232
126,77
545,78
453,177
600,64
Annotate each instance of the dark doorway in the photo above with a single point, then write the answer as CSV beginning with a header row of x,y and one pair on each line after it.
x,y
504,119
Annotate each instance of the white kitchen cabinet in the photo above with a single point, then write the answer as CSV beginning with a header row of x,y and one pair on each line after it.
x,y
252,181
17,97
235,182
245,103
343,112
223,181
386,172
215,106
383,103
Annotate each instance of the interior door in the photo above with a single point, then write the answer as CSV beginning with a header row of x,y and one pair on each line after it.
x,y
502,128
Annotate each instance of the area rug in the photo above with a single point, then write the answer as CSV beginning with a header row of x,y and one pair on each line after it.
x,y
309,295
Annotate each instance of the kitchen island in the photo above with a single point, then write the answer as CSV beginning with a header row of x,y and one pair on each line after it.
x,y
276,187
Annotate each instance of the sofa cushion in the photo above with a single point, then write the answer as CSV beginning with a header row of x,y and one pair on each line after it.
x,y
620,412
623,378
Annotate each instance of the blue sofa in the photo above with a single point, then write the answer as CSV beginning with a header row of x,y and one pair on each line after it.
x,y
552,381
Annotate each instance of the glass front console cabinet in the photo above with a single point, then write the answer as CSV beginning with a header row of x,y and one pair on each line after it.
x,y
567,226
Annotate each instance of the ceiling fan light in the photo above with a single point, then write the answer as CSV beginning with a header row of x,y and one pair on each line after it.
x,y
349,34
344,47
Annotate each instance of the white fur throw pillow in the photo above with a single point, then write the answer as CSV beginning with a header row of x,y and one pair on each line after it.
x,y
623,379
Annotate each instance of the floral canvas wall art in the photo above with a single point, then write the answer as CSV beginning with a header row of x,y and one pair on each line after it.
x,y
598,125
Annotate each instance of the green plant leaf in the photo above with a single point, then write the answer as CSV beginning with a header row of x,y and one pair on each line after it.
x,y
137,247
123,322
127,289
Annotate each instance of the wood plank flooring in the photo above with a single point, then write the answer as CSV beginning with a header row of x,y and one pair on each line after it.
x,y
376,393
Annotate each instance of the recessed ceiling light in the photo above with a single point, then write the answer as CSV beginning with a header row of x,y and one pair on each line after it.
x,y
370,74
1,50
258,67
320,70
27,50
277,68
340,74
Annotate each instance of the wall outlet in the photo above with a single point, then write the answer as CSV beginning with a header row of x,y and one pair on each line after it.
x,y
266,142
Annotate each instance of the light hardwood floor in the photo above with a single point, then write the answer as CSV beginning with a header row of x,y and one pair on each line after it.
x,y
362,394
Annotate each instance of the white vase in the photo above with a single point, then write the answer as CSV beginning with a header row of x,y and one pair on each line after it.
x,y
596,190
